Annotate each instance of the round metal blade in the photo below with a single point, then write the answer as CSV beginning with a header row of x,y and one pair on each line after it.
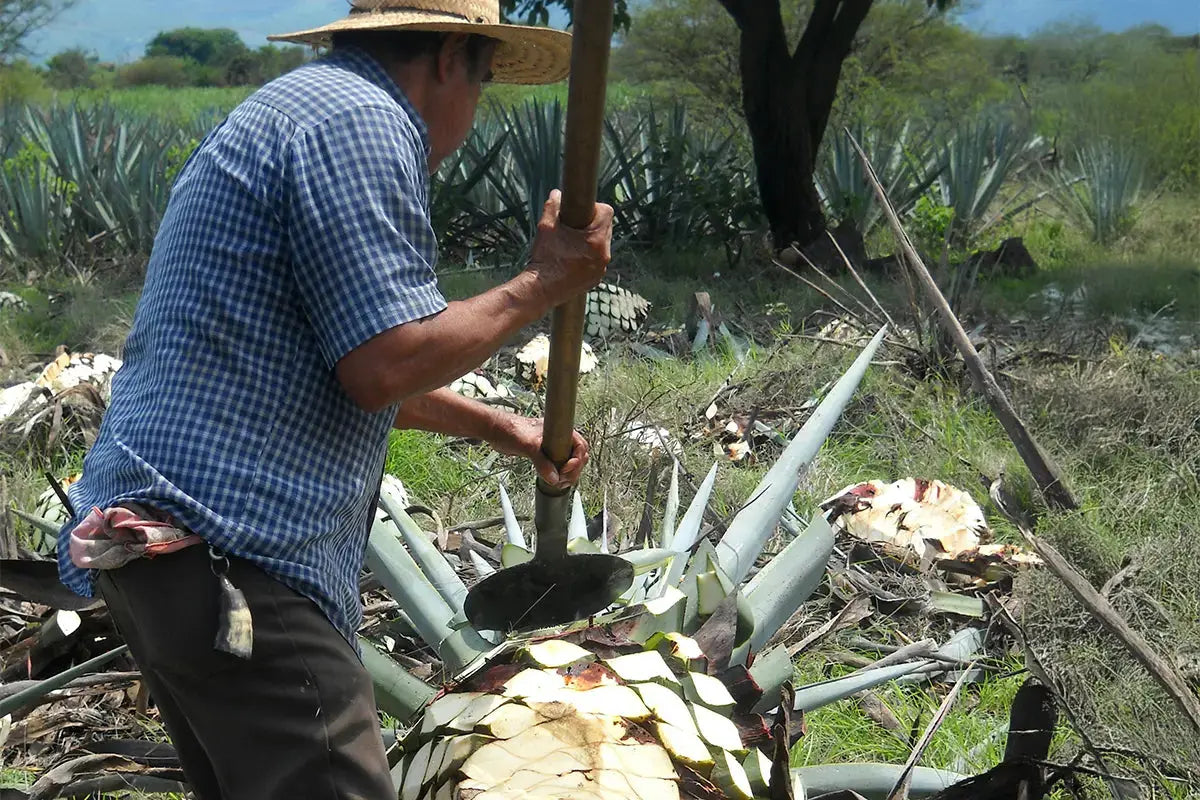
x,y
541,594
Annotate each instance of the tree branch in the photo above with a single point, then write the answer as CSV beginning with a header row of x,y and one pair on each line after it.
x,y
825,68
815,32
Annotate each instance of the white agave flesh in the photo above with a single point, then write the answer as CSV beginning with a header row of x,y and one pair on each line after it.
x,y
459,749
512,554
509,720
533,683
728,774
603,783
441,711
433,769
398,772
667,706
618,701
641,667
717,730
680,649
636,786
556,653
414,774
542,793
685,747
707,690
570,743
475,711
758,771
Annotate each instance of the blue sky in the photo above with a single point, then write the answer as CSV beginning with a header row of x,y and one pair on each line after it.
x,y
119,29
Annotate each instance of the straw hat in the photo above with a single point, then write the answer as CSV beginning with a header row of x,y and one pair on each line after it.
x,y
524,54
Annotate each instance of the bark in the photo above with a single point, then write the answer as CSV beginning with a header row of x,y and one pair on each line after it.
x,y
787,98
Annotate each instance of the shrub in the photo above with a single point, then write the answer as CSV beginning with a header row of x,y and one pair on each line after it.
x,y
158,70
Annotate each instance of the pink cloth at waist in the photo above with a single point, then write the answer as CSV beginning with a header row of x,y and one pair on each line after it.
x,y
113,537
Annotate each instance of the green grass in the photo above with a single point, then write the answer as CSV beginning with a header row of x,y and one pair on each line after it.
x,y
430,469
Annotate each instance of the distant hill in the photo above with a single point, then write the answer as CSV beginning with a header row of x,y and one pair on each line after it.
x,y
117,30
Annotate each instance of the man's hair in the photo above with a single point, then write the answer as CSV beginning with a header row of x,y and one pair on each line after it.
x,y
407,46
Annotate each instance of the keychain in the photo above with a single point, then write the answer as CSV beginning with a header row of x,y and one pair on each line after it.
x,y
235,632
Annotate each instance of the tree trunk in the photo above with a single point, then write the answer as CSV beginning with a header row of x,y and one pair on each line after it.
x,y
787,98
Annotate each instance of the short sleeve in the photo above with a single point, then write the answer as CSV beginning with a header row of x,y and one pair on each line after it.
x,y
362,245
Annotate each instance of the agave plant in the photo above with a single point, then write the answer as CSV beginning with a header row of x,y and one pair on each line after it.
x,y
906,165
672,183
74,174
662,695
978,162
1103,195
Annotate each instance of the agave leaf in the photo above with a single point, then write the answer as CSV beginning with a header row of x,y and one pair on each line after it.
x,y
431,561
771,670
43,525
395,568
583,545
577,526
512,529
872,781
667,531
482,568
961,646
397,691
687,533
821,694
754,524
16,702
689,527
661,615
705,586
788,579
645,560
954,603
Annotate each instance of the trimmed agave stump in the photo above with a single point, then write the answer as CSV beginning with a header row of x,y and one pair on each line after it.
x,y
614,712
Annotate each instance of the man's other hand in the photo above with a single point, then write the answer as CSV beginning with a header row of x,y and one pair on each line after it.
x,y
523,437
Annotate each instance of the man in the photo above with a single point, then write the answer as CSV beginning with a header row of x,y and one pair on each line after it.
x,y
290,318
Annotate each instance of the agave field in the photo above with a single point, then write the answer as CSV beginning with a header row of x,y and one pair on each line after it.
x,y
812,615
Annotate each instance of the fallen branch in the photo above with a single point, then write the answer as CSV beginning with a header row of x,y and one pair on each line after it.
x,y
85,682
1159,668
1047,476
1098,606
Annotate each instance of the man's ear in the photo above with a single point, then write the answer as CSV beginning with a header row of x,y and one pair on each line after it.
x,y
453,49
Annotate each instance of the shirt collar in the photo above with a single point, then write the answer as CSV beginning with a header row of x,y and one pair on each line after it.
x,y
363,64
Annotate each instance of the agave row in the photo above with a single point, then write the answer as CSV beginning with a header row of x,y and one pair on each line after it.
x,y
96,175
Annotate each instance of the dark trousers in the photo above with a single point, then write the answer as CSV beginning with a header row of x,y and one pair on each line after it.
x,y
296,721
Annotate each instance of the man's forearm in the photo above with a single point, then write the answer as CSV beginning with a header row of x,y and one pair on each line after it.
x,y
421,356
447,412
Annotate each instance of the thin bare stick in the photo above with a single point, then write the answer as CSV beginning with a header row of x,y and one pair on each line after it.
x,y
870,312
859,281
1054,489
815,288
900,789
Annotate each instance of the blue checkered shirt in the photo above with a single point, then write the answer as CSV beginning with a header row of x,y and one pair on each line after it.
x,y
298,230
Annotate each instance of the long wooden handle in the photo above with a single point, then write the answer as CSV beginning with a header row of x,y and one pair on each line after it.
x,y
581,166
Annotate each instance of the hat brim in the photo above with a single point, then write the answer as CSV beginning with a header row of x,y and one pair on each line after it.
x,y
524,55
